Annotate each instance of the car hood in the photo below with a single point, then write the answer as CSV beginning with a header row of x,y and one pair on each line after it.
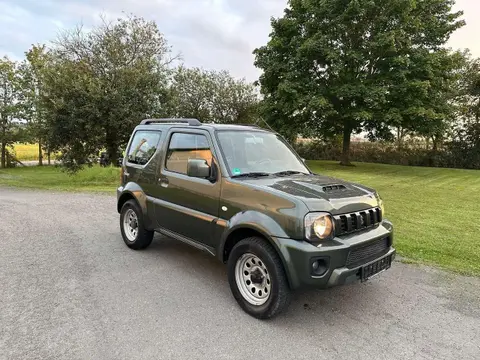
x,y
321,193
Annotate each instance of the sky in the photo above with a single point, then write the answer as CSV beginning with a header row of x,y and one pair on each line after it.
x,y
213,34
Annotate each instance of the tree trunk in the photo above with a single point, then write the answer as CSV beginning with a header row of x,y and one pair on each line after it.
x,y
40,154
112,153
435,141
347,133
48,156
4,155
400,136
399,141
111,144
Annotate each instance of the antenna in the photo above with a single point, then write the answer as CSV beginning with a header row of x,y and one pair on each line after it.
x,y
261,118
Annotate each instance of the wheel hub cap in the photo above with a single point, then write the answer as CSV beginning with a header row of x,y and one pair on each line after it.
x,y
253,279
257,277
130,225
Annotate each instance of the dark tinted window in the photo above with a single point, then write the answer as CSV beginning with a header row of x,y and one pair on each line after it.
x,y
187,146
143,146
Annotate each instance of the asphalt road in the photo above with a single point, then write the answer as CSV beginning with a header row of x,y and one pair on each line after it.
x,y
71,289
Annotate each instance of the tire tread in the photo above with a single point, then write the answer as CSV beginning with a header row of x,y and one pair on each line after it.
x,y
144,236
284,293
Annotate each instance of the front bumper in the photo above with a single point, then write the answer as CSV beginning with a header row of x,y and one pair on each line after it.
x,y
346,275
298,256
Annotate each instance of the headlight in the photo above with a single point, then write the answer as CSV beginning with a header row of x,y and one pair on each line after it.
x,y
319,226
380,204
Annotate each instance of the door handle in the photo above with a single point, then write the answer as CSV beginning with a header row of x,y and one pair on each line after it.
x,y
163,182
126,173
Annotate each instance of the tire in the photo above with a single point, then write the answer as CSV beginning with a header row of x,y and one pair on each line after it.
x,y
254,302
141,238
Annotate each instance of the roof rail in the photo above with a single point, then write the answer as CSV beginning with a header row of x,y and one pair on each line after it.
x,y
190,122
251,125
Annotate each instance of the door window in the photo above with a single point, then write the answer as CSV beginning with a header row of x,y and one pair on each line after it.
x,y
185,146
143,146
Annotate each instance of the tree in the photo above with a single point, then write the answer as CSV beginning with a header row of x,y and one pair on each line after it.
x,y
333,66
470,92
235,100
212,96
99,84
422,100
10,98
465,143
192,93
32,71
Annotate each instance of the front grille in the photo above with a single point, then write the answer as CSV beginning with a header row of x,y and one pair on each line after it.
x,y
348,223
368,252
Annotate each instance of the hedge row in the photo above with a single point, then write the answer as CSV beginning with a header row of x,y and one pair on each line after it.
x,y
454,155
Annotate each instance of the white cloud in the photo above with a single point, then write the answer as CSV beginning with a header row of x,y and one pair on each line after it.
x,y
467,37
214,34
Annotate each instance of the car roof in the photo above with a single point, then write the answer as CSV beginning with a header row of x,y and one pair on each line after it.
x,y
194,124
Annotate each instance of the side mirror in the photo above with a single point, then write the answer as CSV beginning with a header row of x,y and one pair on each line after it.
x,y
198,168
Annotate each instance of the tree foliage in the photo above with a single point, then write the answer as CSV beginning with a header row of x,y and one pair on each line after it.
x,y
10,102
87,91
343,66
98,84
32,71
465,141
212,96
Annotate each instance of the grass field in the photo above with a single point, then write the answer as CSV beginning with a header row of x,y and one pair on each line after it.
x,y
434,211
28,152
94,179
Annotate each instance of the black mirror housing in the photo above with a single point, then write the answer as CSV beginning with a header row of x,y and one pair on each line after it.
x,y
198,168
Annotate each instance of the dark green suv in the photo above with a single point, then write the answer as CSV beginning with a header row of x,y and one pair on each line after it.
x,y
242,194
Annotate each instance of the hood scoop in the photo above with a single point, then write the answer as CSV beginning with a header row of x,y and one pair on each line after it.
x,y
317,188
334,187
325,188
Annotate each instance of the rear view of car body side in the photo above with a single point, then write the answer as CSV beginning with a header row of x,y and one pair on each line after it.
x,y
243,195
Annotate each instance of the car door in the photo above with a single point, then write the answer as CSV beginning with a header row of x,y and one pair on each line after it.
x,y
186,205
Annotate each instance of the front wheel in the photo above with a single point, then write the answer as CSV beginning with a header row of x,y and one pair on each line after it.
x,y
133,228
257,278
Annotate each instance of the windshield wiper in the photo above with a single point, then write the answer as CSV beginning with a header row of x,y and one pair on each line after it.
x,y
251,174
289,172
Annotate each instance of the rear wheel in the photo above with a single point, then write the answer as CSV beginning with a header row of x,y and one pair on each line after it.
x,y
132,227
257,278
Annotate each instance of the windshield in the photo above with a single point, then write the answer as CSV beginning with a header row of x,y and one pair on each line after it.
x,y
255,151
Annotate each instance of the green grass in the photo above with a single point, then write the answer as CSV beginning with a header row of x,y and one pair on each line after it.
x,y
435,212
94,179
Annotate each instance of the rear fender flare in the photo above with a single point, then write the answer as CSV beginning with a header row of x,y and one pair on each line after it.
x,y
135,192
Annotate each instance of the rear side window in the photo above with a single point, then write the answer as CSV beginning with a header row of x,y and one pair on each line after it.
x,y
187,146
143,146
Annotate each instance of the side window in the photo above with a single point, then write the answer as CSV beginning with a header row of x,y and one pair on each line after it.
x,y
185,146
143,146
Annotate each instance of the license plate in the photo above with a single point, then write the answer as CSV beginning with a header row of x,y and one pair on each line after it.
x,y
375,268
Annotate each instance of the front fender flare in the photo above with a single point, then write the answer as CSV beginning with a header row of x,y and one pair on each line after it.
x,y
260,223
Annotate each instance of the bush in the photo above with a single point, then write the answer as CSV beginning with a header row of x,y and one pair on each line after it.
x,y
452,155
465,147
